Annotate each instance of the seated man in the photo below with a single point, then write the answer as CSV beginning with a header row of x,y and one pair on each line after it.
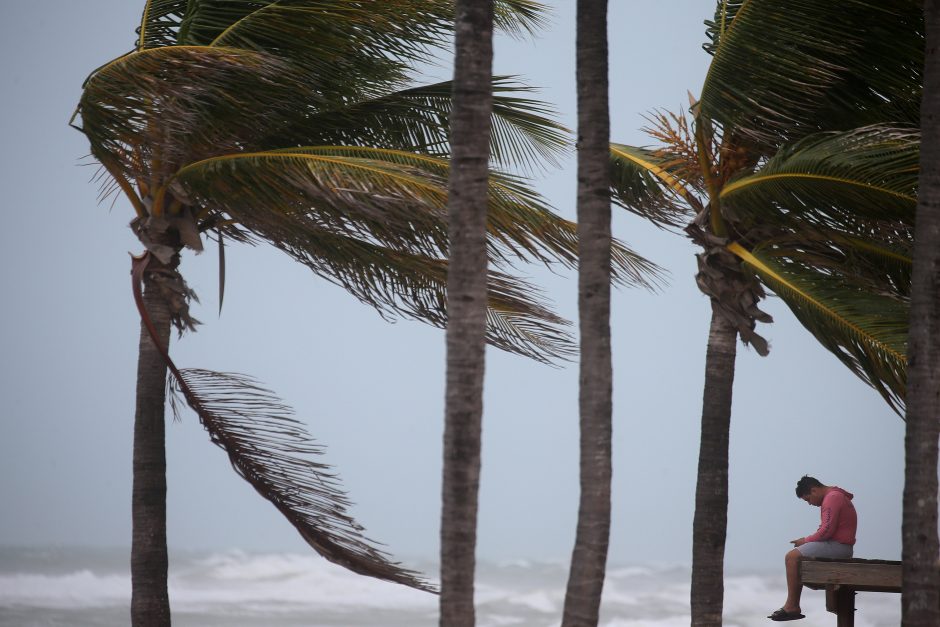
x,y
834,538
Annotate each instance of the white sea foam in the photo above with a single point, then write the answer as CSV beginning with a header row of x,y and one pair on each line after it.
x,y
249,590
76,589
286,583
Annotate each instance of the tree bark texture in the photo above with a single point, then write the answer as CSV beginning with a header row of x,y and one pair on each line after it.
x,y
466,307
920,597
710,523
150,605
589,557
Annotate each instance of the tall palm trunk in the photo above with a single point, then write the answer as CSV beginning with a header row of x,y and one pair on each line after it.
x,y
589,558
920,598
150,605
709,526
466,306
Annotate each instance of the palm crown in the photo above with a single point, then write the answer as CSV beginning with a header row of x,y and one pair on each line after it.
x,y
293,123
799,173
280,121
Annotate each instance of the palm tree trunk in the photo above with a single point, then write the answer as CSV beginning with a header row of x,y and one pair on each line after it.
x,y
709,526
589,558
150,605
920,597
466,307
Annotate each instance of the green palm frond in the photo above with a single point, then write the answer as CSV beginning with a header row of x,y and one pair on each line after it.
x,y
407,26
323,208
160,23
524,130
419,22
519,17
715,29
784,70
157,109
351,48
878,262
651,185
413,286
393,28
833,180
370,197
865,331
395,198
272,451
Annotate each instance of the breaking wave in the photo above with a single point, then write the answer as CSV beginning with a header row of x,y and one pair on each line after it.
x,y
239,589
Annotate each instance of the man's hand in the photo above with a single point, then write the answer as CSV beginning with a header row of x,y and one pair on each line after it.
x,y
797,542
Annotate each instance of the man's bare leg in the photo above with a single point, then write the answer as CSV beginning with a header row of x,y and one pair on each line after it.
x,y
794,588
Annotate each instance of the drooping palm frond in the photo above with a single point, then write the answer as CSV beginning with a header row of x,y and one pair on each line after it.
x,y
652,185
784,70
865,331
832,180
417,119
273,452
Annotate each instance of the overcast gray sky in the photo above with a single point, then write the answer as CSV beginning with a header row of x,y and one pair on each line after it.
x,y
372,392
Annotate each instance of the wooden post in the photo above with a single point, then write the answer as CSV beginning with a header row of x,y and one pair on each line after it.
x,y
840,600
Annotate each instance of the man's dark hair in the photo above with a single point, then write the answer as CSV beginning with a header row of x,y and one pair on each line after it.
x,y
805,484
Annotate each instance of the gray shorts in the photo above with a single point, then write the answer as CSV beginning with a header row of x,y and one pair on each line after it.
x,y
826,548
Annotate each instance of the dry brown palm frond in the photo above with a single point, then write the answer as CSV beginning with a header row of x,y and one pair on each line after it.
x,y
677,150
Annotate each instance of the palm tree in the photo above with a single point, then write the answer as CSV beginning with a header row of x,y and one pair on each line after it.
x,y
466,307
798,174
920,595
293,123
589,558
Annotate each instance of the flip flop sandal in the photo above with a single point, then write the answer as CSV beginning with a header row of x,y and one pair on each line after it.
x,y
782,615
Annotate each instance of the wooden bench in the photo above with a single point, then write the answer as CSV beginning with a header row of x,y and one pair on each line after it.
x,y
841,579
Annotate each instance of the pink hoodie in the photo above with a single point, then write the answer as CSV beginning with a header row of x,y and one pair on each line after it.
x,y
838,520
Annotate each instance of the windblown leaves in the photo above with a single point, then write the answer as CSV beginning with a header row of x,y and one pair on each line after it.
x,y
320,206
651,184
716,28
155,110
190,103
806,132
784,70
160,22
273,452
336,189
417,119
225,124
415,22
865,330
842,180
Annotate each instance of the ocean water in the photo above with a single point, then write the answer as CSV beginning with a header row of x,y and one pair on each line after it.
x,y
72,587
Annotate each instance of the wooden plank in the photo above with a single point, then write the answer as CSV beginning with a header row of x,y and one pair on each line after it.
x,y
862,575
